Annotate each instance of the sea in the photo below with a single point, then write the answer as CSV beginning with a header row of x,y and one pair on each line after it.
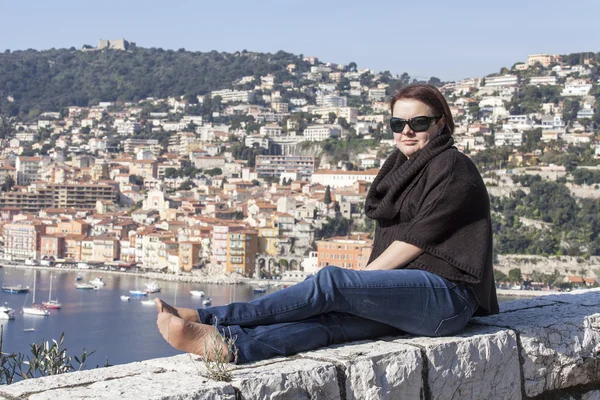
x,y
117,331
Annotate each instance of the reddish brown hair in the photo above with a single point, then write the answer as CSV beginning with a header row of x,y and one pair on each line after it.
x,y
431,96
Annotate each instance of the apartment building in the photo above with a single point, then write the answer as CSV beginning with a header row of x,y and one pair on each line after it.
x,y
242,248
350,252
228,95
508,138
337,179
220,242
350,114
270,130
29,169
189,255
33,199
331,101
81,195
544,59
500,81
132,145
543,80
318,133
22,240
147,169
53,245
274,166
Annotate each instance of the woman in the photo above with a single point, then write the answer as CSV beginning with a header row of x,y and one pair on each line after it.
x,y
429,272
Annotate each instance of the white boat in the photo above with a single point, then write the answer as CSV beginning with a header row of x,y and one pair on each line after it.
x,y
152,288
207,301
35,309
85,286
138,293
28,330
98,282
260,289
125,298
197,293
148,302
7,312
51,304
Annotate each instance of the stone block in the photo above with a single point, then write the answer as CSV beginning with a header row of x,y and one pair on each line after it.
x,y
162,386
26,387
377,370
478,364
296,379
558,343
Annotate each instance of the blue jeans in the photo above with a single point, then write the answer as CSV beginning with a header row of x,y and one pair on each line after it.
x,y
339,305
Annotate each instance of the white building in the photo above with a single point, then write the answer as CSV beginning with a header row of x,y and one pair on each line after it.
x,y
542,80
317,133
508,138
337,179
504,80
331,101
270,130
577,88
350,114
376,94
228,95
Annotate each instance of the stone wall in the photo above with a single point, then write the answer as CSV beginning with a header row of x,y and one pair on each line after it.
x,y
543,348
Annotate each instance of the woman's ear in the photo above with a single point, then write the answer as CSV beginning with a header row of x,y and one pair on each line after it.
x,y
441,125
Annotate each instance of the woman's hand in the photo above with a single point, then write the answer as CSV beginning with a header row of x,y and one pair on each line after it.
x,y
396,255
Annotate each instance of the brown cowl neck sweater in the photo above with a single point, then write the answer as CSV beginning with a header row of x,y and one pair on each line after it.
x,y
438,202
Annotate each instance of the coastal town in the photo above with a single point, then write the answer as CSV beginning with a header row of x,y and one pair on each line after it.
x,y
272,183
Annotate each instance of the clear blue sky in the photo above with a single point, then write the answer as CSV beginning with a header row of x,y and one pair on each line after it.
x,y
447,39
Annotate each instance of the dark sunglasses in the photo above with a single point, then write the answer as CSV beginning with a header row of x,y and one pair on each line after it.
x,y
417,124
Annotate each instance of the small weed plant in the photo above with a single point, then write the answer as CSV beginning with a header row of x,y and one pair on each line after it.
x,y
219,350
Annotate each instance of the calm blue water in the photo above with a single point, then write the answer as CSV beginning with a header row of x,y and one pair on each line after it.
x,y
123,331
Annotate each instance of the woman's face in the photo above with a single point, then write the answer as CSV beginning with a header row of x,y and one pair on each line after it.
x,y
408,141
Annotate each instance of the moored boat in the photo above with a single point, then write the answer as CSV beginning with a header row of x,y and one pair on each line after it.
x,y
51,304
98,282
148,302
197,293
35,309
152,288
85,286
138,293
207,301
7,312
15,289
125,298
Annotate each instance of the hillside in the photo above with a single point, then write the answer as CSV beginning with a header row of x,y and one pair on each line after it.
x,y
52,79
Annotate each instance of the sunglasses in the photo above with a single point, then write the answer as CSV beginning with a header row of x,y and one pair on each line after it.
x,y
417,124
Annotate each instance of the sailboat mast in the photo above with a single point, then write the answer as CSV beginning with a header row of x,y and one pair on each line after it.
x,y
50,293
34,279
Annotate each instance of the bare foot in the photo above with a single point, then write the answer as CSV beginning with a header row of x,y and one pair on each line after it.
x,y
199,339
188,314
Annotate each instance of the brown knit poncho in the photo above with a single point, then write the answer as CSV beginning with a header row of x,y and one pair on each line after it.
x,y
437,201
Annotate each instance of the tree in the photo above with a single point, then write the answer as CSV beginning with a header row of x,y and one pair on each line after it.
x,y
9,182
332,117
136,180
214,171
499,276
515,275
327,199
434,81
186,185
